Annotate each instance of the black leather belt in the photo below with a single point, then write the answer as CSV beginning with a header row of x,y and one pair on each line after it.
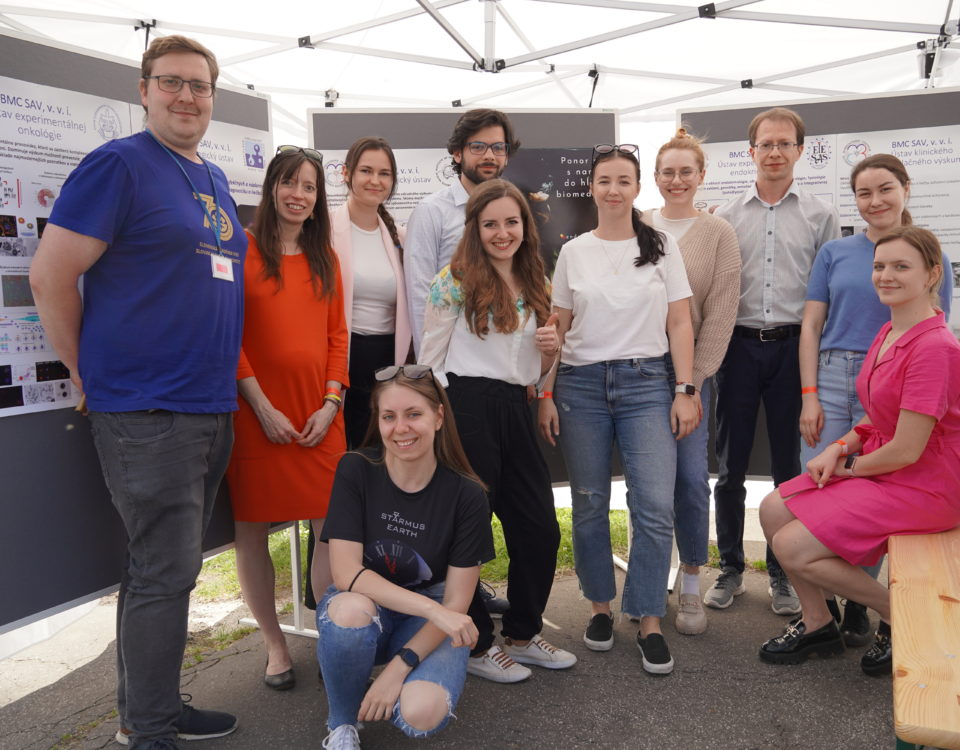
x,y
777,333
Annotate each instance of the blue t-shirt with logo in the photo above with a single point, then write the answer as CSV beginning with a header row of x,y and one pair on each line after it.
x,y
158,330
842,276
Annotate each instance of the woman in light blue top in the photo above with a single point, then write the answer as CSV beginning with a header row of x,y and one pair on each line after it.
x,y
840,320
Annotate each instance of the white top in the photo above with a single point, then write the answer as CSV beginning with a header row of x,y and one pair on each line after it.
x,y
778,243
374,284
449,346
619,310
676,228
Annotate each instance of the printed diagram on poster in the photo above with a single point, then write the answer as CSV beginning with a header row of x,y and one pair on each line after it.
x,y
554,180
931,156
44,133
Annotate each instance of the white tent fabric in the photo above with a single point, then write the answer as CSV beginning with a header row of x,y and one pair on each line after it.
x,y
643,59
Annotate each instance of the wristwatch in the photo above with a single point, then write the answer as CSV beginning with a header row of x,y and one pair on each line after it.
x,y
688,389
849,463
409,657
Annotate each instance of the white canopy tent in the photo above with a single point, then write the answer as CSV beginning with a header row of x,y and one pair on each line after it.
x,y
643,59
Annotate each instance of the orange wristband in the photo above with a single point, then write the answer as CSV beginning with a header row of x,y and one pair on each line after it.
x,y
810,389
843,447
546,394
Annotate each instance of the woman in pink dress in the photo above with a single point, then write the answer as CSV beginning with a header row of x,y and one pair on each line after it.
x,y
896,472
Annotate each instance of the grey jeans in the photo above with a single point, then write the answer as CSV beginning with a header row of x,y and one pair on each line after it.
x,y
162,470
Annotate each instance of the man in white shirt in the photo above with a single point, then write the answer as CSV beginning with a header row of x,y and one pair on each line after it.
x,y
480,146
780,228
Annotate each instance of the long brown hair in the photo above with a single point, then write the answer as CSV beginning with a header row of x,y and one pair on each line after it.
x,y
890,163
314,236
446,442
484,291
374,143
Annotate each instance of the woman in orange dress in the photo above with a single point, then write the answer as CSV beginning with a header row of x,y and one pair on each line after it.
x,y
293,366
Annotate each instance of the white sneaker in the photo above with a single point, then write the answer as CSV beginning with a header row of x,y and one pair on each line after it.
x,y
540,653
344,737
496,666
691,619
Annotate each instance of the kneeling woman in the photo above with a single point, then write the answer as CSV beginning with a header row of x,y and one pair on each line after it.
x,y
408,529
896,472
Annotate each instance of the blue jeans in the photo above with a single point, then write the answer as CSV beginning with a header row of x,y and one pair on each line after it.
x,y
622,403
348,655
691,493
162,469
837,372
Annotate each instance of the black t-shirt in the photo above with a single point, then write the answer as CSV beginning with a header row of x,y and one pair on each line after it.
x,y
409,538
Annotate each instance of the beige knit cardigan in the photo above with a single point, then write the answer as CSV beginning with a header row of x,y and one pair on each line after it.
x,y
711,256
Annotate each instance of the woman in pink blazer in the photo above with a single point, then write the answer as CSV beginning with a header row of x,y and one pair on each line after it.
x,y
369,246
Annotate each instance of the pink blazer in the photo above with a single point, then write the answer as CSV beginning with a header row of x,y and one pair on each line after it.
x,y
340,225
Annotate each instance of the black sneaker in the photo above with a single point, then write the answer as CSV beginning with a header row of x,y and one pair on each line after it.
x,y
496,606
655,654
856,624
193,724
877,660
599,633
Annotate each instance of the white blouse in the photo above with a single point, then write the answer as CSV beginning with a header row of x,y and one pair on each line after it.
x,y
448,345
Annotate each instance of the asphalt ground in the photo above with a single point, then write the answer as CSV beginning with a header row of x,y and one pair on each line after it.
x,y
720,695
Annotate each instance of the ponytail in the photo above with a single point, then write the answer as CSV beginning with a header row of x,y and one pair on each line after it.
x,y
649,240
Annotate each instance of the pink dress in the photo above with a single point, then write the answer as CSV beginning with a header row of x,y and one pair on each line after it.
x,y
854,516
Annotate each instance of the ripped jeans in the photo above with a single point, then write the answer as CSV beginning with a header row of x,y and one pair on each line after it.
x,y
623,405
348,655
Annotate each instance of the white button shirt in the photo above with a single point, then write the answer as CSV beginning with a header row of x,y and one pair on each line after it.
x,y
778,243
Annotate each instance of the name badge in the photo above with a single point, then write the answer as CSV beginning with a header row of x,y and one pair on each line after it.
x,y
222,267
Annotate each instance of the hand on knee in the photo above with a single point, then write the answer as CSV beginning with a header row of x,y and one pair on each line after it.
x,y
350,610
424,705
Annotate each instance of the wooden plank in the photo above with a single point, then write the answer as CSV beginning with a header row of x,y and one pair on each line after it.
x,y
925,614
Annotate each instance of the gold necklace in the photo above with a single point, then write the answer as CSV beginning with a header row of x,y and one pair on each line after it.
x,y
606,252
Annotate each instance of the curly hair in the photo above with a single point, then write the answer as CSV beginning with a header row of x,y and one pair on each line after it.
x,y
485,293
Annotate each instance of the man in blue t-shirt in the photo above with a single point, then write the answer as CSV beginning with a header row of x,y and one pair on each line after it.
x,y
153,346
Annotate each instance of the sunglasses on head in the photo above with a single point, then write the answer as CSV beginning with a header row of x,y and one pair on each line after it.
x,y
414,372
623,148
310,153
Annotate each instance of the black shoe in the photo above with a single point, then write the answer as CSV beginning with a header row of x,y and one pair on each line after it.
x,y
496,607
834,609
796,644
877,660
599,633
656,655
856,624
193,724
283,681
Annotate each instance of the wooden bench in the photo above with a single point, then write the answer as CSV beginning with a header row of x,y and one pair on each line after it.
x,y
925,620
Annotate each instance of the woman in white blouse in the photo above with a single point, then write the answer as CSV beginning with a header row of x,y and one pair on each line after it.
x,y
368,244
487,331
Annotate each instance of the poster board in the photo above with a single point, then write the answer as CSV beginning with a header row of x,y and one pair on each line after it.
x,y
922,128
61,542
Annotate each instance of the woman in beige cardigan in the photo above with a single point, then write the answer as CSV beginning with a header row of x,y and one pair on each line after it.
x,y
711,256
368,244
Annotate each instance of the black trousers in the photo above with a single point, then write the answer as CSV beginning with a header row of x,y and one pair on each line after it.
x,y
498,435
367,355
752,372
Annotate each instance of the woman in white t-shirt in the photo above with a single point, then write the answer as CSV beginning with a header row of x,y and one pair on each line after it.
x,y
487,327
622,296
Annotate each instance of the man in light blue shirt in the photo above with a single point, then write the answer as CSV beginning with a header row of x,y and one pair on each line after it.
x,y
780,228
480,146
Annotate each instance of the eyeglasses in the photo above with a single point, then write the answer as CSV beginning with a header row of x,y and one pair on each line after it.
x,y
667,175
479,148
414,372
310,153
766,148
623,148
173,84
